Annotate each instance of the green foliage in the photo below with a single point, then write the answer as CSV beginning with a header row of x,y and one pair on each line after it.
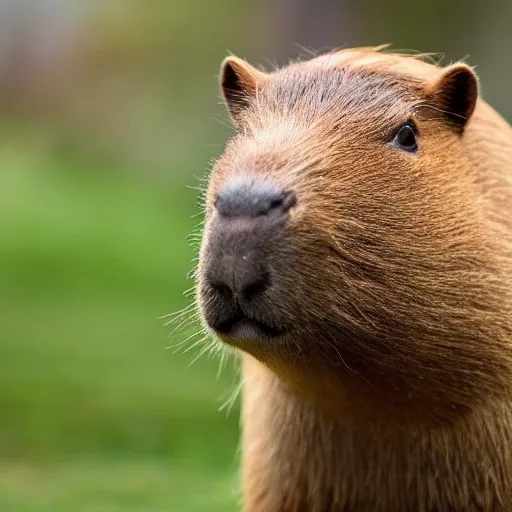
x,y
113,485
96,414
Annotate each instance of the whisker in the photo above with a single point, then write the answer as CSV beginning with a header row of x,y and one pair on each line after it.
x,y
205,349
191,336
195,344
182,342
182,322
228,404
200,341
177,313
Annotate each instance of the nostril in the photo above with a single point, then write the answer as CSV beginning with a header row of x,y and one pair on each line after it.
x,y
247,289
222,289
286,201
281,200
258,287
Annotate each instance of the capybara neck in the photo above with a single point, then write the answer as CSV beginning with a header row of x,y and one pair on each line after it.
x,y
297,459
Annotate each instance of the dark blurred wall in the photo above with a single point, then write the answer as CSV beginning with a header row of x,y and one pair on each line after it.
x,y
302,25
136,81
39,40
473,30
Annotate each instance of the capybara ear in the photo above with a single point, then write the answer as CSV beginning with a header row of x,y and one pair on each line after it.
x,y
455,93
239,82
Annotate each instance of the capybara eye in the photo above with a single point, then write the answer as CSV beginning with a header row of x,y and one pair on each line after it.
x,y
405,138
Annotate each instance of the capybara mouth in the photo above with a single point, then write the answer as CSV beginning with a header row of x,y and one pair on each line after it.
x,y
243,328
244,317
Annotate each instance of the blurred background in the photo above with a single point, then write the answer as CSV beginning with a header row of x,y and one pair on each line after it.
x,y
109,118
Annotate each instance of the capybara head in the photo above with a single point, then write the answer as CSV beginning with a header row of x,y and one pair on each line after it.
x,y
346,242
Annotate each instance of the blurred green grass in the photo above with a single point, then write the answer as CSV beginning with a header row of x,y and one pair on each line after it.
x,y
95,414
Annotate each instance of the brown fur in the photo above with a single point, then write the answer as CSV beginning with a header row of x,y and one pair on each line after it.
x,y
392,387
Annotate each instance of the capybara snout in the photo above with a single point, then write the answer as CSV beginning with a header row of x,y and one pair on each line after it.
x,y
249,224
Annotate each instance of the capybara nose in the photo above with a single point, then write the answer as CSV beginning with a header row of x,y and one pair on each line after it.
x,y
249,219
244,285
253,197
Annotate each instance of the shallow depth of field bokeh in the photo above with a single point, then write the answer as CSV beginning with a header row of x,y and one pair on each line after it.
x,y
109,120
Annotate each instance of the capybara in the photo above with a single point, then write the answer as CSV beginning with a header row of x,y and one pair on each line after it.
x,y
357,255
